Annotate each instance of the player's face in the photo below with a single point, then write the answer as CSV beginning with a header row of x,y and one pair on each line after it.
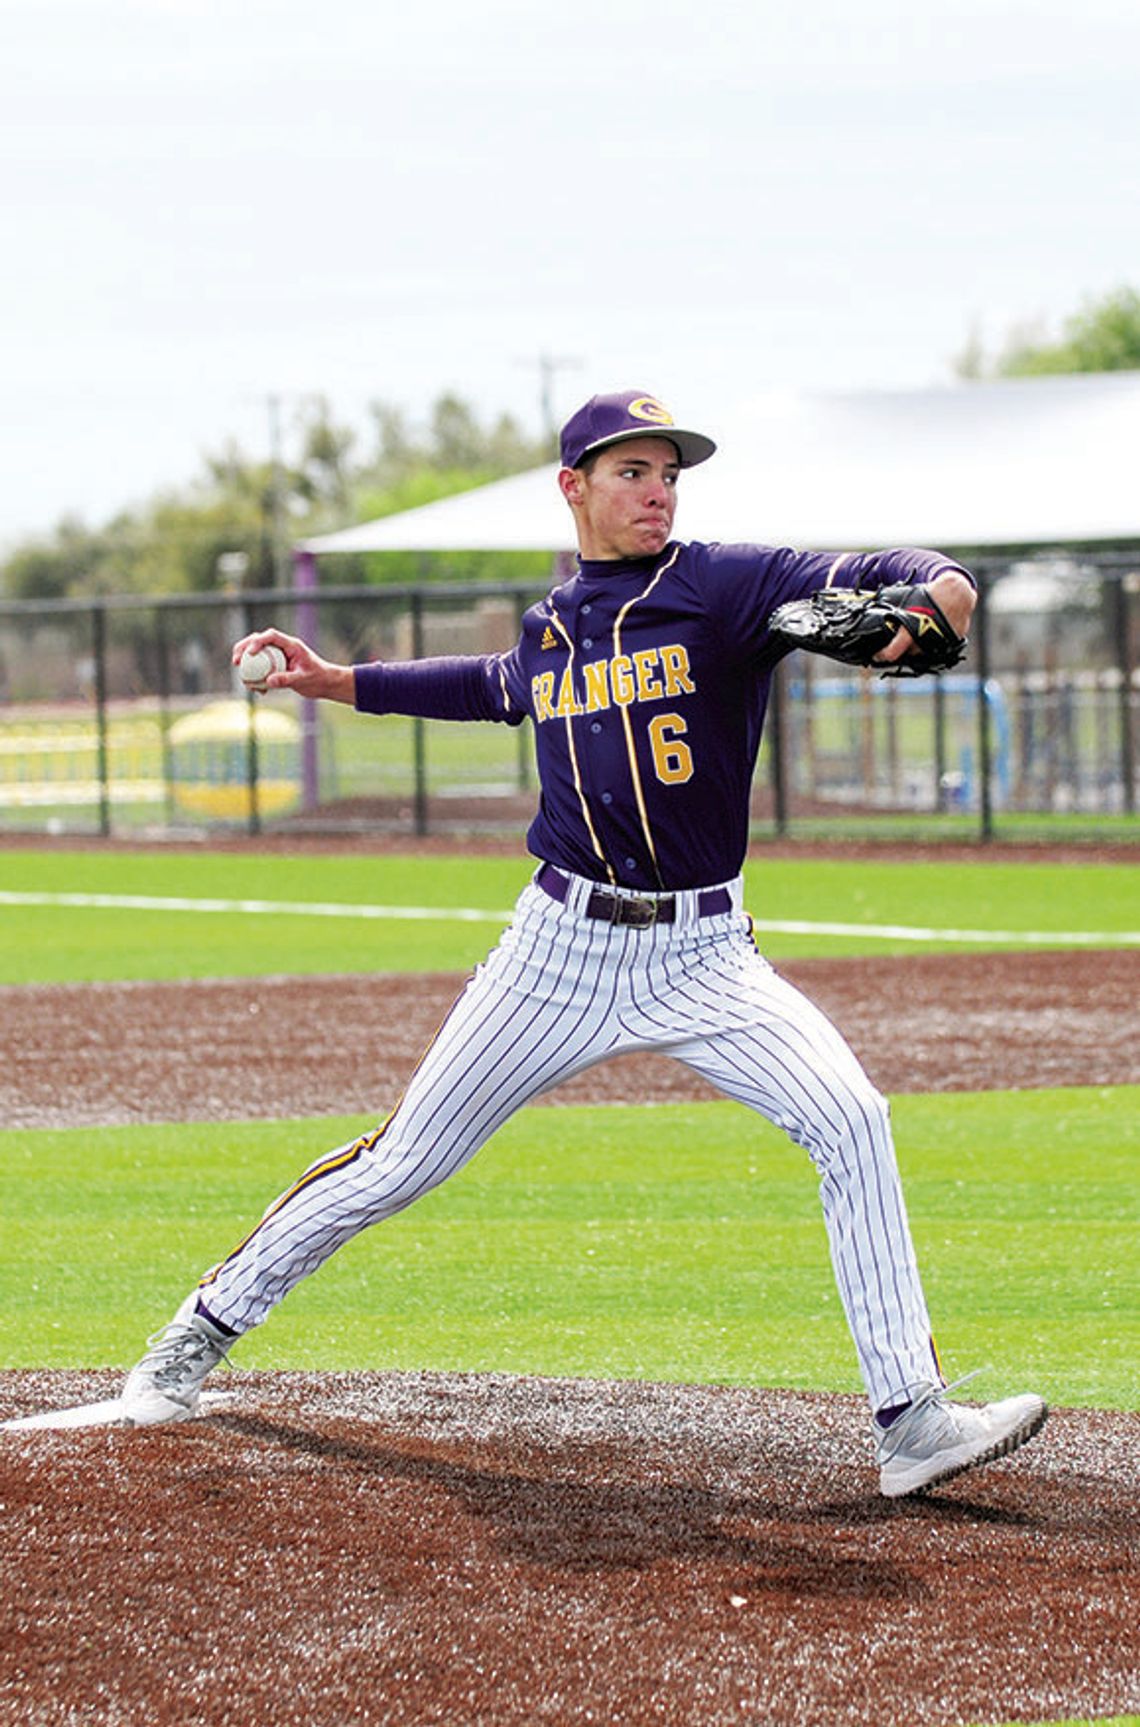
x,y
624,506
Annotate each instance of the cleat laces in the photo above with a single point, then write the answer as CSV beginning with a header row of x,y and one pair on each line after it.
x,y
180,1353
933,1395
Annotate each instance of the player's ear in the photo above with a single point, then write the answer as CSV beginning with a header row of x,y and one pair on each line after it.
x,y
570,484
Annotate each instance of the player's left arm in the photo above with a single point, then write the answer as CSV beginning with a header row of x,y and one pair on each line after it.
x,y
955,595
742,585
951,586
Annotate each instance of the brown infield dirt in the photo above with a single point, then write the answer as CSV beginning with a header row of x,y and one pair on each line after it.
x,y
470,1550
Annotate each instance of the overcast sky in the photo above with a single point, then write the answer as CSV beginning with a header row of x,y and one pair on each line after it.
x,y
209,202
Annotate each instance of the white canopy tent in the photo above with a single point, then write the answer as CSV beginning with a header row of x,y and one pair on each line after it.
x,y
1015,462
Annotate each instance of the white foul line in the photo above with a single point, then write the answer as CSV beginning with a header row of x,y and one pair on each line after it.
x,y
255,907
910,932
476,914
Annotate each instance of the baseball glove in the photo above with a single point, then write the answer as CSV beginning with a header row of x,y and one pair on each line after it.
x,y
854,625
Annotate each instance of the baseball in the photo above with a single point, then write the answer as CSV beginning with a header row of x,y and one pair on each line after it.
x,y
257,663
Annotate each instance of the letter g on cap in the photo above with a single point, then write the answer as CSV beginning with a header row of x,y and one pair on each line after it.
x,y
649,408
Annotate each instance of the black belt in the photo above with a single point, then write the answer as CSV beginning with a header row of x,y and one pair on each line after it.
x,y
638,910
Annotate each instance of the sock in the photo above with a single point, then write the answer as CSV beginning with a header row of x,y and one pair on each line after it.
x,y
222,1329
886,1417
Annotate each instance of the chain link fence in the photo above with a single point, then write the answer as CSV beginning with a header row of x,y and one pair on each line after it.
x,y
123,717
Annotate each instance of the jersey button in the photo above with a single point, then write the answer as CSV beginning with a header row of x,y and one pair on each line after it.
x,y
607,797
588,642
595,725
586,609
631,863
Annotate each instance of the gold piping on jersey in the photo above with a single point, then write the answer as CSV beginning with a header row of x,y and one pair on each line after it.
x,y
578,787
506,694
627,727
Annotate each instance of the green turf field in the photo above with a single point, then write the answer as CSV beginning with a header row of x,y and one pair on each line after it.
x,y
699,1253
55,942
678,1243
1083,1721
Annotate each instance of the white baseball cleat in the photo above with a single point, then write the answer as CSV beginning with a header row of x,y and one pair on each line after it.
x,y
934,1440
167,1383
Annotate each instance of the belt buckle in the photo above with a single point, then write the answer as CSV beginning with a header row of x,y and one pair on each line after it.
x,y
638,913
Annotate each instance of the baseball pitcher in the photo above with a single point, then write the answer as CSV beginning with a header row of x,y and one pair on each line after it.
x,y
646,677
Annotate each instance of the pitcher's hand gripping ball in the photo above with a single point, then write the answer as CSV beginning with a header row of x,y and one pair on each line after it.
x,y
853,627
256,664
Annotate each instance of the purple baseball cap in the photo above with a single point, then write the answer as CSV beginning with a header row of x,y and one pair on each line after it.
x,y
606,420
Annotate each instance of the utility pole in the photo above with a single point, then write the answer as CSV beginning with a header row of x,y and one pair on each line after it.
x,y
548,365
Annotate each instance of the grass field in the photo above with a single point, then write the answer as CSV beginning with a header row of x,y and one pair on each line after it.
x,y
699,1254
1080,1721
45,942
681,1243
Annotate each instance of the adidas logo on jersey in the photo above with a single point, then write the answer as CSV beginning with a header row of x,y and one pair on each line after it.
x,y
549,639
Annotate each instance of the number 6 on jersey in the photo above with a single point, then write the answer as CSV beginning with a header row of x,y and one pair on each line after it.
x,y
672,757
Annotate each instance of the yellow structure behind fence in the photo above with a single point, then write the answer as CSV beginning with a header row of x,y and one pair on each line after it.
x,y
211,761
55,763
202,763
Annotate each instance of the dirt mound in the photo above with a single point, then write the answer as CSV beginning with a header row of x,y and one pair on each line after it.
x,y
81,1055
474,1550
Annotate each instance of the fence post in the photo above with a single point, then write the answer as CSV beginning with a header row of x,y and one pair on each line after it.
x,y
807,753
941,802
1124,665
99,654
251,762
419,739
867,735
778,721
162,644
307,624
985,763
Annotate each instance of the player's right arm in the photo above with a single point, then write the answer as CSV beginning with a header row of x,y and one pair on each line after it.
x,y
306,673
451,687
448,687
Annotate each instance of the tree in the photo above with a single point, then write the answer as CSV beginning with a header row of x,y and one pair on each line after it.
x,y
51,568
1104,336
457,438
323,472
174,543
453,442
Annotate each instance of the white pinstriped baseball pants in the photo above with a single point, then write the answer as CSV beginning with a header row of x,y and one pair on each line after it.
x,y
562,991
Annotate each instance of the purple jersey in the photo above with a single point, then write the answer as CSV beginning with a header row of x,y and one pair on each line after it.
x,y
647,682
